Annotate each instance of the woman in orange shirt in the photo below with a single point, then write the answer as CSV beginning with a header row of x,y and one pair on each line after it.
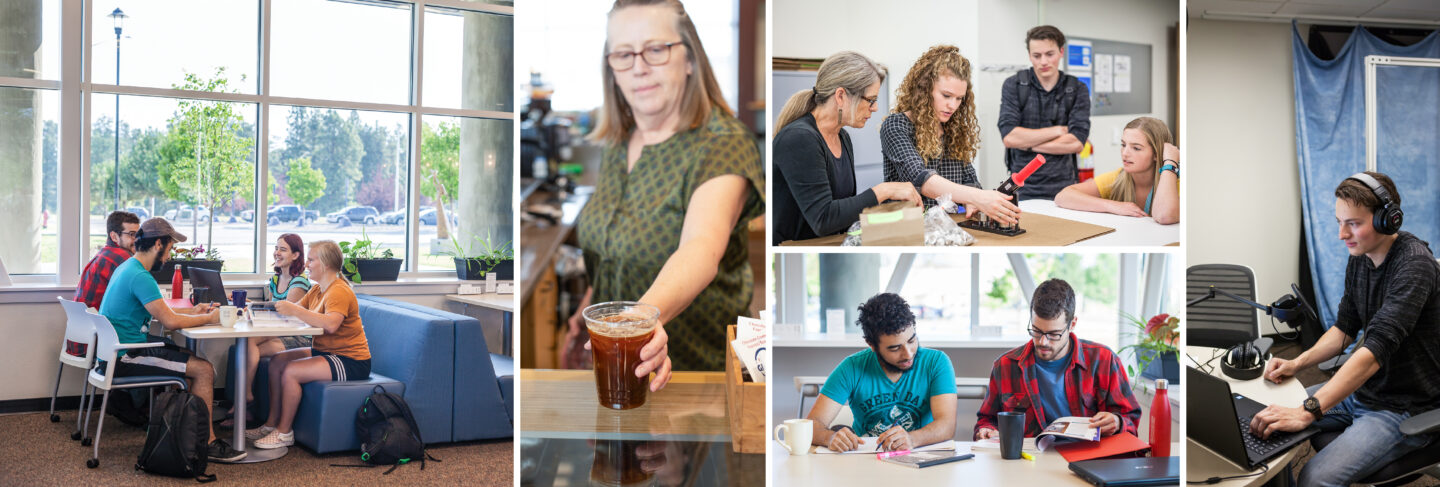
x,y
340,354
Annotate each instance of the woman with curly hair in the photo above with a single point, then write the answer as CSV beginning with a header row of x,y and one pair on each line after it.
x,y
931,138
1149,175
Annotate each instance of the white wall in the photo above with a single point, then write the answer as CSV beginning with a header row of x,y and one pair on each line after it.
x,y
987,32
1241,102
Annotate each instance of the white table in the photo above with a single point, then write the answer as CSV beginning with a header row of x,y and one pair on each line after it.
x,y
1129,230
242,332
1201,463
987,468
500,302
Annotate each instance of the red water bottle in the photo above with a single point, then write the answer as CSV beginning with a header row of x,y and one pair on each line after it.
x,y
176,284
1160,421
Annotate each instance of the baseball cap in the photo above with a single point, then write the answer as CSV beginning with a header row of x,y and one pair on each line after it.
x,y
158,227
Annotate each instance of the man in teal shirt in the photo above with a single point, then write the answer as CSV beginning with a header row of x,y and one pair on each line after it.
x,y
133,298
899,393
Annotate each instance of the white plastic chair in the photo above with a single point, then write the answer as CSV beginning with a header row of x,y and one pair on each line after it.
x,y
107,346
79,329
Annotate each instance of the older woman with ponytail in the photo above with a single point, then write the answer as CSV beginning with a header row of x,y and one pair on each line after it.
x,y
1147,184
814,166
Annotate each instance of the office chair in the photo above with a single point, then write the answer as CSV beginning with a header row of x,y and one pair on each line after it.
x,y
1220,323
1406,469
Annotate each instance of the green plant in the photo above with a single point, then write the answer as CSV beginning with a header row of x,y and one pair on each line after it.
x,y
483,253
1159,335
361,248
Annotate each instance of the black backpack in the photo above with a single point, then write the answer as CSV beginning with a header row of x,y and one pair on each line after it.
x,y
175,439
388,433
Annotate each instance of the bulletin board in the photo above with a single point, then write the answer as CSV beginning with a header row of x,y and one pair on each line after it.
x,y
1117,73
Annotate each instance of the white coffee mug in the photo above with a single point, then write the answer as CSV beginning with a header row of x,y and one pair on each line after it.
x,y
227,316
796,435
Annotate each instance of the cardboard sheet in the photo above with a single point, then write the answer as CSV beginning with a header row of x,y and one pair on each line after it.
x,y
1040,230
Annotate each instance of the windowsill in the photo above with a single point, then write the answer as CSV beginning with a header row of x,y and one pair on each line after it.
x,y
822,340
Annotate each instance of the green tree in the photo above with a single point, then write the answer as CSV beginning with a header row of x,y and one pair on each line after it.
x,y
1000,290
333,145
205,160
439,155
139,165
305,184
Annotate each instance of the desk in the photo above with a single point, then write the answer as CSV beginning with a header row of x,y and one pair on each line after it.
x,y
1129,231
1049,469
504,303
242,332
567,438
1201,463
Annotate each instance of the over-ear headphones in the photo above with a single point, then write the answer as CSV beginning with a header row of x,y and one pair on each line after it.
x,y
1244,361
1388,217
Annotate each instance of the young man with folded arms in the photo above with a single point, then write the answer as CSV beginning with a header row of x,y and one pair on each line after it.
x,y
1057,374
899,393
1391,293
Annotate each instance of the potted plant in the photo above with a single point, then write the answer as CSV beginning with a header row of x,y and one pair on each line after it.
x,y
472,263
365,260
197,256
501,259
1158,339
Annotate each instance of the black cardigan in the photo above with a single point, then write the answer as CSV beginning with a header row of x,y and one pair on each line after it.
x,y
804,204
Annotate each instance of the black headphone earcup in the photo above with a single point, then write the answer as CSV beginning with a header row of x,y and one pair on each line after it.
x,y
1388,219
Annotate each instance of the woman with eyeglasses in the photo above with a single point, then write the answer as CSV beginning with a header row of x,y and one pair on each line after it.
x,y
679,180
932,137
814,165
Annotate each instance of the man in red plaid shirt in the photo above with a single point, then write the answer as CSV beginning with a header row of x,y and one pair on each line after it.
x,y
120,245
1056,374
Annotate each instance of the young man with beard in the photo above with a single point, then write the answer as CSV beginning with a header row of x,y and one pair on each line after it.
x,y
1056,374
121,227
1391,294
898,392
134,298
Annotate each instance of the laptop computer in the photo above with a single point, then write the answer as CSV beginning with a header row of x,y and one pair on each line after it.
x,y
1212,406
1126,472
200,277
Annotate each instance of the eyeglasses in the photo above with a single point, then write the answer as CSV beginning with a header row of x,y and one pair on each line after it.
x,y
870,99
130,234
1053,336
654,54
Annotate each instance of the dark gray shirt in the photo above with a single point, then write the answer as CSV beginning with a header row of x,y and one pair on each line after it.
x,y
1398,305
1024,103
904,164
814,191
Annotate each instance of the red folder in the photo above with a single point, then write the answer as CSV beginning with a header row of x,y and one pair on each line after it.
x,y
1117,446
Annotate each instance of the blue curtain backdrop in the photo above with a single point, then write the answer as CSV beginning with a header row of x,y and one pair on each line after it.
x,y
1330,144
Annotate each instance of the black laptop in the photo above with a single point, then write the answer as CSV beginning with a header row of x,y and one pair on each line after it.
x,y
211,279
1126,472
1212,406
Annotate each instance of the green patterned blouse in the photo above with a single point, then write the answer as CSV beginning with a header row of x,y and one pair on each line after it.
x,y
632,225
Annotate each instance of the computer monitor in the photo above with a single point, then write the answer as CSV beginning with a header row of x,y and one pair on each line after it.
x,y
201,277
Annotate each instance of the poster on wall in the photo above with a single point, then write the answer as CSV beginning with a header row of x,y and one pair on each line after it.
x,y
1104,77
1122,74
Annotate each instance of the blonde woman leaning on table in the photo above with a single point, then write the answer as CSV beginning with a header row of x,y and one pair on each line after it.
x,y
288,284
679,179
931,138
1149,175
340,354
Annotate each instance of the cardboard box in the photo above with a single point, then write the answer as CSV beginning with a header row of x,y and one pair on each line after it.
x,y
894,223
744,403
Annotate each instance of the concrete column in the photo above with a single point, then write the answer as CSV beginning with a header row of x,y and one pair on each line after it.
x,y
21,122
486,146
846,281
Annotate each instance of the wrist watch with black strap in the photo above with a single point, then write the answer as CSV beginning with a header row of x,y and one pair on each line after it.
x,y
1312,406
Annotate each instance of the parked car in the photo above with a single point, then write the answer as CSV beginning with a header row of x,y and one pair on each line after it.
x,y
357,214
186,214
291,214
141,212
393,218
427,217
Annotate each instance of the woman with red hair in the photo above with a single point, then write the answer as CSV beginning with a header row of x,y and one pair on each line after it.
x,y
288,284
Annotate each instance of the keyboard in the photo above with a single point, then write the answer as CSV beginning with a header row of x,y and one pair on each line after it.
x,y
1258,445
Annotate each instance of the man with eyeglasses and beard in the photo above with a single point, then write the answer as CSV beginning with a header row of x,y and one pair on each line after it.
x,y
899,393
1056,374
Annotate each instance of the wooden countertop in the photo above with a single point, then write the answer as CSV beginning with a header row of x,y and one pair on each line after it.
x,y
562,404
540,239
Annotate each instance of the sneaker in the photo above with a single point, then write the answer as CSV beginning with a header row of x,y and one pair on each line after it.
x,y
258,433
276,439
220,451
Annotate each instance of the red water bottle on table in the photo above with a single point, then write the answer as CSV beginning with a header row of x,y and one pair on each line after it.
x,y
177,283
1160,420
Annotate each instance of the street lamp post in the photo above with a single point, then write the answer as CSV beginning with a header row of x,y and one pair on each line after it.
x,y
118,18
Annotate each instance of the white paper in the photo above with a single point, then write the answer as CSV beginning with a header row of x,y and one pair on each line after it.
x,y
1028,446
868,444
751,346
1104,78
835,323
1122,74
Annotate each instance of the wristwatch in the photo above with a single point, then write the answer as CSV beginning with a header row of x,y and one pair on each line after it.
x,y
1170,166
1312,406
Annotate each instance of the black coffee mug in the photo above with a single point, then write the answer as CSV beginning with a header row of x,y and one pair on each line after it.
x,y
1012,434
199,294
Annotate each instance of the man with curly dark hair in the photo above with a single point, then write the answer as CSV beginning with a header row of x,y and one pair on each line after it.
x,y
1044,111
1056,374
902,396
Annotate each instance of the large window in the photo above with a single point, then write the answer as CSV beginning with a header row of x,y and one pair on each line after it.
x,y
332,119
